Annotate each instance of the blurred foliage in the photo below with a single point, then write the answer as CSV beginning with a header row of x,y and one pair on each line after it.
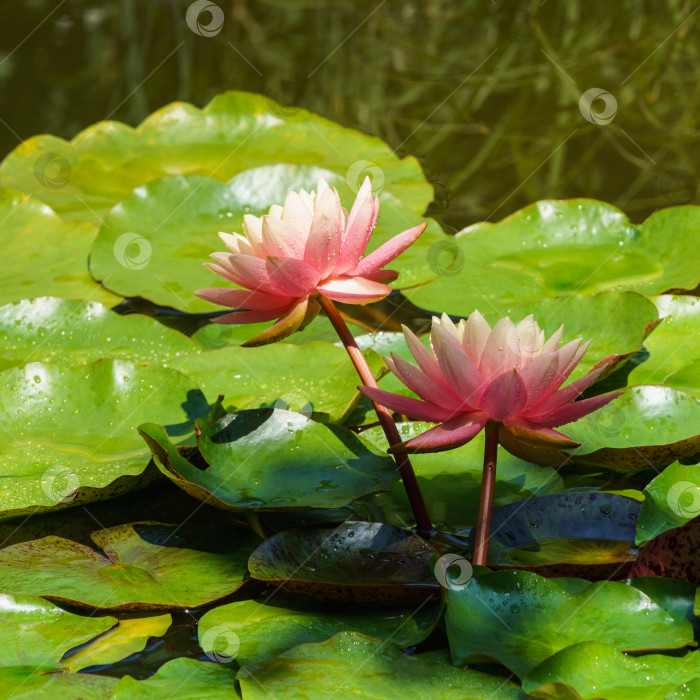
x,y
485,93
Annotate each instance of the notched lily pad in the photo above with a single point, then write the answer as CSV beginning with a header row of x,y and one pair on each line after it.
x,y
140,566
271,459
672,554
357,561
586,534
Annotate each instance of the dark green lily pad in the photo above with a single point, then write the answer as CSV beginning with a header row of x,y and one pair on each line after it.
x,y
356,561
141,568
555,248
269,627
271,459
48,329
674,354
672,554
585,534
593,670
43,254
670,500
357,667
128,637
519,619
451,482
153,244
36,682
648,426
69,433
313,378
181,678
234,132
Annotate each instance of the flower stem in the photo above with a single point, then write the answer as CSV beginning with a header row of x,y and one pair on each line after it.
x,y
415,497
488,483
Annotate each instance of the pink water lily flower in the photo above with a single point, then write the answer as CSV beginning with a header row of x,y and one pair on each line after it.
x,y
310,246
509,375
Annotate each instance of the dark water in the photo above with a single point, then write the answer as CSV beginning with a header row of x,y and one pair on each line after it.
x,y
486,93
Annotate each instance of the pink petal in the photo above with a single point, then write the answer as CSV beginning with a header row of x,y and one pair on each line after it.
x,y
252,227
552,343
247,271
425,359
504,396
239,317
573,411
456,367
539,375
280,239
502,350
419,410
325,237
236,243
288,324
452,433
531,452
384,276
353,290
476,333
388,251
242,298
421,384
297,214
563,396
360,224
539,435
292,277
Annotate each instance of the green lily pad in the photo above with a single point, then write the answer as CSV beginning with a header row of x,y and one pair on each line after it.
x,y
35,632
44,254
234,132
260,630
141,568
183,678
313,378
519,619
154,243
69,433
128,637
356,561
593,670
670,500
354,666
48,329
271,459
555,248
451,482
674,357
689,689
586,534
36,683
648,426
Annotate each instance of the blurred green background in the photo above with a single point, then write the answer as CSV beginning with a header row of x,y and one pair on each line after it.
x,y
485,93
